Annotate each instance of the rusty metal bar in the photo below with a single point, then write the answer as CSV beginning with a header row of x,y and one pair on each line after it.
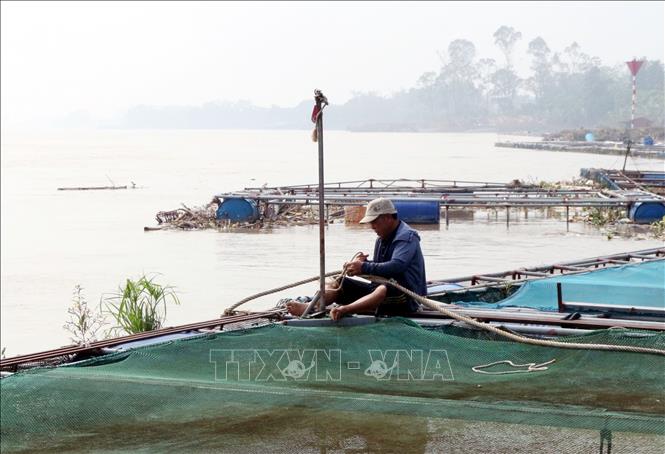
x,y
73,349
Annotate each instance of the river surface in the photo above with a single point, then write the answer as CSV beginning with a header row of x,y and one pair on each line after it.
x,y
53,240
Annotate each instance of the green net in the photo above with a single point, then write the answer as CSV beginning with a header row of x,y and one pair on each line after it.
x,y
390,385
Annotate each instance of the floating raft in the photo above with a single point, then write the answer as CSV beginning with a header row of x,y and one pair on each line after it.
x,y
612,148
206,388
421,200
92,188
479,288
627,183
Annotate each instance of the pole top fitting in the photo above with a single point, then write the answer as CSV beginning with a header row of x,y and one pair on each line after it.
x,y
319,98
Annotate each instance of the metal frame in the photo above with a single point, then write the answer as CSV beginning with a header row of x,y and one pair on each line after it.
x,y
520,275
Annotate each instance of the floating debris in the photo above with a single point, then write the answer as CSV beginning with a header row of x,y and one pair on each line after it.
x,y
269,215
97,188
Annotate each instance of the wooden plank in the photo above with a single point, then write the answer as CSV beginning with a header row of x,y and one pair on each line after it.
x,y
92,188
550,318
481,277
635,310
532,273
569,268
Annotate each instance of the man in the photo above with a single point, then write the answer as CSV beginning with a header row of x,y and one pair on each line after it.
x,y
397,255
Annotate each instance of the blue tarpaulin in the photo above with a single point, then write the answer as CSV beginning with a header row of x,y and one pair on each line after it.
x,y
640,284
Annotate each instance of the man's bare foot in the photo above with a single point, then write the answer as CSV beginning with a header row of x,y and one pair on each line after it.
x,y
296,308
337,312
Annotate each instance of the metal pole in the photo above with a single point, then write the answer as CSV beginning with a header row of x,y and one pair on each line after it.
x,y
632,107
625,159
321,102
567,219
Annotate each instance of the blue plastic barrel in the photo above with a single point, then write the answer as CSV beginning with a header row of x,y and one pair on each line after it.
x,y
237,209
418,212
648,140
589,137
646,212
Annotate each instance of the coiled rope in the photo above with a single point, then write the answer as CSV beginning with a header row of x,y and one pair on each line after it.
x,y
439,307
231,309
340,274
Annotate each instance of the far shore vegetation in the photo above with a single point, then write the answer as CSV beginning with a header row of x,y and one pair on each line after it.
x,y
564,89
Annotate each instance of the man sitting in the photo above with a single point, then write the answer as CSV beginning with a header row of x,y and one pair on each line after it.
x,y
397,255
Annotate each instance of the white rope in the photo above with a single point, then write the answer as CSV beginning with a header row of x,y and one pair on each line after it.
x,y
530,367
231,309
438,306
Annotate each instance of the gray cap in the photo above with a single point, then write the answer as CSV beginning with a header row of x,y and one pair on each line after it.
x,y
376,208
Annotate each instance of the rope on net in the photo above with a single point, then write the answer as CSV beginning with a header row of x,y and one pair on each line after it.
x,y
440,307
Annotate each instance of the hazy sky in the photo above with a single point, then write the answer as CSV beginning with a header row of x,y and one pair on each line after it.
x,y
59,57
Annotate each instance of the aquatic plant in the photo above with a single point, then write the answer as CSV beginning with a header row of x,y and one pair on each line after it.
x,y
140,305
600,217
83,323
658,229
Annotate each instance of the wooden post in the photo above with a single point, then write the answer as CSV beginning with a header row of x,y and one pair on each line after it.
x,y
567,219
447,218
321,102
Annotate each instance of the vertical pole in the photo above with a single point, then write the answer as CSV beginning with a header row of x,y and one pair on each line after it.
x,y
559,298
507,216
447,218
625,159
632,110
319,98
567,220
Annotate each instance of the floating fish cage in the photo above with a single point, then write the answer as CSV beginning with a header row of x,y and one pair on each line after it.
x,y
229,384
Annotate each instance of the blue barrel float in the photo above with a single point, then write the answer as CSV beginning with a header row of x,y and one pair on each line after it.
x,y
646,212
238,209
418,212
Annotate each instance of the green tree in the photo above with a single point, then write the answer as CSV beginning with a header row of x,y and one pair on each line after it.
x,y
505,38
541,65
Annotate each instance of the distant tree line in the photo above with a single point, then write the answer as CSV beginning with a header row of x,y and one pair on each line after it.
x,y
566,89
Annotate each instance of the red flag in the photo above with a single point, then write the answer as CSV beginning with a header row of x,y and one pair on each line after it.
x,y
634,66
315,113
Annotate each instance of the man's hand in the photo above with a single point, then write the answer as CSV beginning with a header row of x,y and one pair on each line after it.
x,y
354,267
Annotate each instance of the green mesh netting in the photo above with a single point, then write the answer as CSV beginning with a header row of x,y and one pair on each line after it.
x,y
641,284
391,385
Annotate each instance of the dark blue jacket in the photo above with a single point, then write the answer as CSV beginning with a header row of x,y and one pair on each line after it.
x,y
400,257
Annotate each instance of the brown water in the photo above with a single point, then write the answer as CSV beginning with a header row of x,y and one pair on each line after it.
x,y
53,240
297,430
